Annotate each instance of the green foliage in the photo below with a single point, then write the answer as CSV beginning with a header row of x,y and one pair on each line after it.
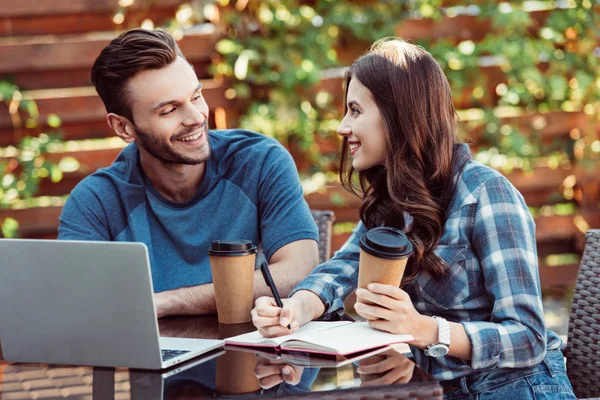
x,y
22,167
22,174
276,51
549,68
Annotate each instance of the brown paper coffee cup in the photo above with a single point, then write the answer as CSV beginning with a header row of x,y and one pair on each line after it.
x,y
233,279
384,252
372,269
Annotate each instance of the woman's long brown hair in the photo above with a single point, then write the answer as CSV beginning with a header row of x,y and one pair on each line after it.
x,y
421,125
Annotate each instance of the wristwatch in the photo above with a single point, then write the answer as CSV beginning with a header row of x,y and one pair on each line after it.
x,y
440,348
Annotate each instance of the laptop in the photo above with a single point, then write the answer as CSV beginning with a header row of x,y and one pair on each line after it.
x,y
84,303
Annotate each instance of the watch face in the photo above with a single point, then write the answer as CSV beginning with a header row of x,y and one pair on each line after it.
x,y
437,350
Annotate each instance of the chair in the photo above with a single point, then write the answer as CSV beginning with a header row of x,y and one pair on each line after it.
x,y
324,220
583,345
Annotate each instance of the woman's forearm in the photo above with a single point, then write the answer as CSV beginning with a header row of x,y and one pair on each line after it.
x,y
312,306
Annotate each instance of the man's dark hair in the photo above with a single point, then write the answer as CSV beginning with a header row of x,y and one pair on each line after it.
x,y
132,52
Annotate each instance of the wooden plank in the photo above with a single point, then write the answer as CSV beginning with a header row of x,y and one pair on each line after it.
x,y
540,178
455,29
75,77
76,105
90,160
556,227
549,126
71,131
32,8
81,23
564,275
35,222
459,28
43,53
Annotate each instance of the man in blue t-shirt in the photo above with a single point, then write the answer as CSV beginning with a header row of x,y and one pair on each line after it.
x,y
177,186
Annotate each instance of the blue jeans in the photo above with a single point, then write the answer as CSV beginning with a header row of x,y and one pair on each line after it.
x,y
548,380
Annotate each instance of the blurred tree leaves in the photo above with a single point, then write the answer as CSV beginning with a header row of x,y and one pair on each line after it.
x,y
22,167
276,51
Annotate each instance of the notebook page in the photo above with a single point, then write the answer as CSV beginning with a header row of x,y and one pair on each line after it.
x,y
255,338
347,339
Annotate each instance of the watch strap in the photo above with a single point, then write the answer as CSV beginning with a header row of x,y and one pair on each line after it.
x,y
443,331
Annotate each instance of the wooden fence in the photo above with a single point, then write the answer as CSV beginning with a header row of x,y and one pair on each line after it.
x,y
48,47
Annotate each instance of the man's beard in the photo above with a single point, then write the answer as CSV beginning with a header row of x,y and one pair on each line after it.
x,y
167,154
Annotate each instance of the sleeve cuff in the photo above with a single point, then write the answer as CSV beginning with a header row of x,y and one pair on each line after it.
x,y
486,344
326,292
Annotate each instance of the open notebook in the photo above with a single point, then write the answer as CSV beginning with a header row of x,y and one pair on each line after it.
x,y
338,338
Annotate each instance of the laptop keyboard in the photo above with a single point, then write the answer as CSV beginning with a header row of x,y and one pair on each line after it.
x,y
168,354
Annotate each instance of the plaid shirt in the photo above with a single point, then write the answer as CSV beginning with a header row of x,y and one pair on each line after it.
x,y
492,287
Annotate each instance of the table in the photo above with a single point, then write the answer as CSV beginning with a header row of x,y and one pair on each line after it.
x,y
221,374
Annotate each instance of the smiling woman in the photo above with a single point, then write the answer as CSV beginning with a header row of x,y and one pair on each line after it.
x,y
470,294
363,120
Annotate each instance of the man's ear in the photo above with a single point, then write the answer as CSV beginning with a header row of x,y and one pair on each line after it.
x,y
122,127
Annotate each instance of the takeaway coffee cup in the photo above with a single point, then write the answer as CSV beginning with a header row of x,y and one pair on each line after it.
x,y
232,265
384,252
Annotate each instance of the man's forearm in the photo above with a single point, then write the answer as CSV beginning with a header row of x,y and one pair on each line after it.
x,y
290,265
193,300
198,300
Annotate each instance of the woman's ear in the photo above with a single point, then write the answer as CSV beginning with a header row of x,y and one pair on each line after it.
x,y
122,127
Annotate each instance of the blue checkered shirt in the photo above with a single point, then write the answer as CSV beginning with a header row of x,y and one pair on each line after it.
x,y
492,287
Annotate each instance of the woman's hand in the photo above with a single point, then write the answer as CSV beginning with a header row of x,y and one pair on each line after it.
x,y
385,369
271,321
272,372
391,310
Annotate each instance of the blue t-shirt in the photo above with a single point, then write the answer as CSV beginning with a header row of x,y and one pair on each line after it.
x,y
250,191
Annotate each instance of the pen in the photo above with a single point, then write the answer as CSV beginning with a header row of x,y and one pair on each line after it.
x,y
264,268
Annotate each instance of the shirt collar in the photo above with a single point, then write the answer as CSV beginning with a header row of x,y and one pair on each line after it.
x,y
462,155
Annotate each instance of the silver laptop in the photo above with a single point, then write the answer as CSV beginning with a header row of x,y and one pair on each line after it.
x,y
84,303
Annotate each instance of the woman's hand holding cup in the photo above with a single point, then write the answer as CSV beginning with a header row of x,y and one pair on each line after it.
x,y
390,309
